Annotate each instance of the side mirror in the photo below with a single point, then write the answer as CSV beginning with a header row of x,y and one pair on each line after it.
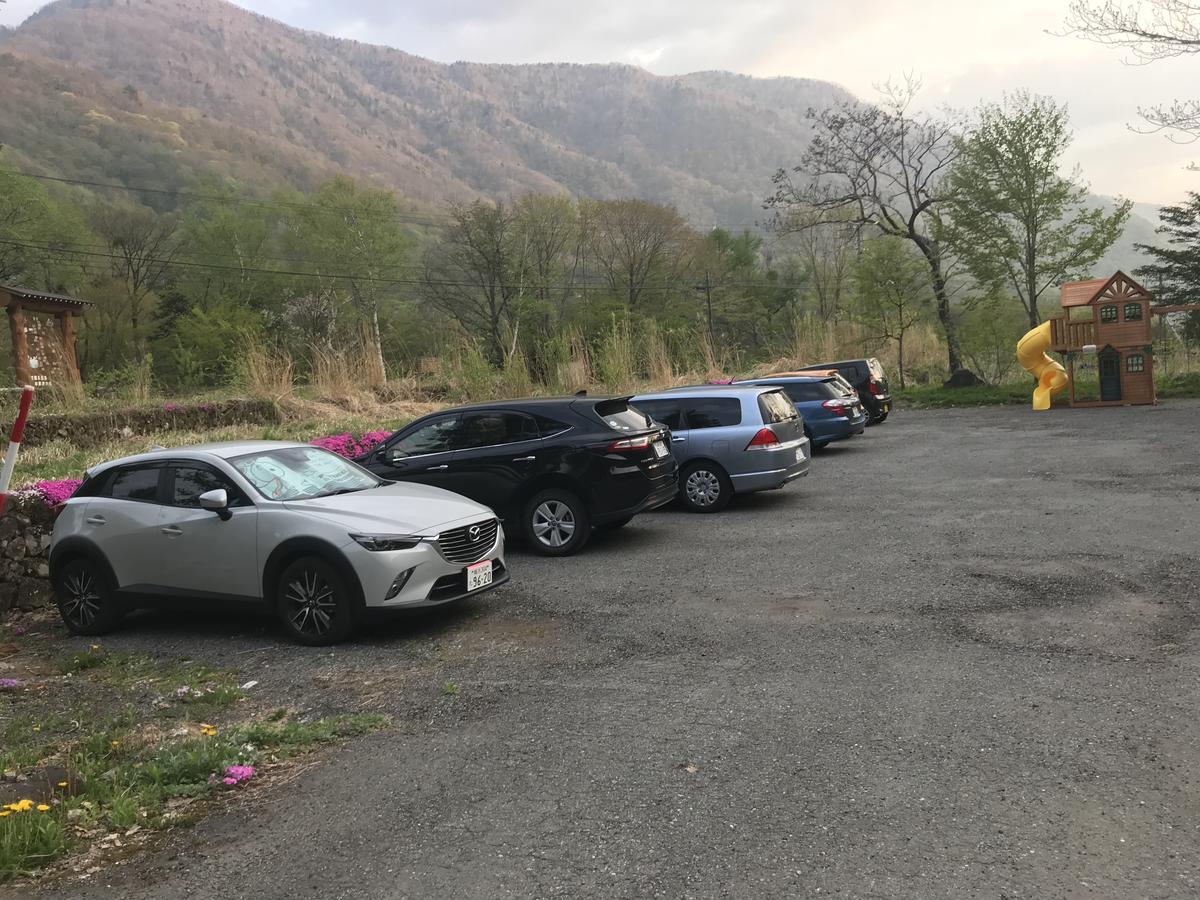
x,y
217,501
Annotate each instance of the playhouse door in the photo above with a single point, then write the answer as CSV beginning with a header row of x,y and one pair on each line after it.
x,y
1110,375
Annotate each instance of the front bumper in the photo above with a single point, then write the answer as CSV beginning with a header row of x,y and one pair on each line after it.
x,y
431,581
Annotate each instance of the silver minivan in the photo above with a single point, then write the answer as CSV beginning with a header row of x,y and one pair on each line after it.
x,y
729,440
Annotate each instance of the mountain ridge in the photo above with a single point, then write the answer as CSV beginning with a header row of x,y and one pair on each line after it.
x,y
159,91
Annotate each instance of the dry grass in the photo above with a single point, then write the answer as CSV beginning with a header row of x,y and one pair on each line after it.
x,y
267,373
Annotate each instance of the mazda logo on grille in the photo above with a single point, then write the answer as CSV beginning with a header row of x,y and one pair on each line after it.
x,y
474,532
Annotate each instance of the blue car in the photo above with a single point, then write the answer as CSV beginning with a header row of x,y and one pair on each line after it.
x,y
830,412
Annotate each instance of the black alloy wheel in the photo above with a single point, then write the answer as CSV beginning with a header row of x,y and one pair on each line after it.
x,y
86,599
313,603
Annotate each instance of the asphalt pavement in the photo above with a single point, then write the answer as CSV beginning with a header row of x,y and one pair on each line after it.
x,y
958,660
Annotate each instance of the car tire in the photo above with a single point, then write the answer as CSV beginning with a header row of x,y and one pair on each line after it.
x,y
314,603
704,488
555,522
820,445
86,597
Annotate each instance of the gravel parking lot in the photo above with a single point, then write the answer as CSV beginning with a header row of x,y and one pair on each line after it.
x,y
958,660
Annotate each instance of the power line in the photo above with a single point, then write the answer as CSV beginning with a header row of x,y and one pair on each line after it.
x,y
172,262
424,219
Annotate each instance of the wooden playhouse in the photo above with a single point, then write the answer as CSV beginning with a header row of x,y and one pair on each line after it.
x,y
1111,317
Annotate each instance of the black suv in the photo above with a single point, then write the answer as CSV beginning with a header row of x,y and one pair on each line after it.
x,y
552,468
867,376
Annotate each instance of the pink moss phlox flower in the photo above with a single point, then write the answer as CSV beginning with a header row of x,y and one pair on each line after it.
x,y
350,447
237,774
52,493
174,407
11,684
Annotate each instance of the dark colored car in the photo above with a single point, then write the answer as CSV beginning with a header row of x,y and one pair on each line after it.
x,y
830,412
553,469
867,376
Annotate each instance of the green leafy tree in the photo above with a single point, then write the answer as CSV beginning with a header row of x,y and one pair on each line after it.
x,y
39,235
1014,221
893,293
352,238
1174,276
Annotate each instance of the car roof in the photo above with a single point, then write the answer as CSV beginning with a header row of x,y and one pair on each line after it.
x,y
219,449
840,362
715,390
530,402
787,379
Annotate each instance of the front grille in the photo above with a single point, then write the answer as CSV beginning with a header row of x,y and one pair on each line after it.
x,y
470,543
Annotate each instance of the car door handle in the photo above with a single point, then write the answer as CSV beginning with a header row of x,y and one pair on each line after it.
x,y
95,520
437,468
172,531
677,440
524,459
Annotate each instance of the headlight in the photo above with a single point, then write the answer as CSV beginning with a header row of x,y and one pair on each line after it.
x,y
383,542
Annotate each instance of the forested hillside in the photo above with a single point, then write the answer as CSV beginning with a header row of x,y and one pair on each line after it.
x,y
175,84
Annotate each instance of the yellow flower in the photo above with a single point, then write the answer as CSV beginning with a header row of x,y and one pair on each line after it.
x,y
116,744
4,813
208,730
20,805
95,646
37,727
42,807
62,784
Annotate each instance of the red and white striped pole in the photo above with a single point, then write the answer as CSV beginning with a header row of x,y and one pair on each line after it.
x,y
14,444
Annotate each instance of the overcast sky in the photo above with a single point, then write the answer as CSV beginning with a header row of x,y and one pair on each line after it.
x,y
963,50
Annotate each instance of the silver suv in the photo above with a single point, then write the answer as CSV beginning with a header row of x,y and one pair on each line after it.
x,y
315,536
730,440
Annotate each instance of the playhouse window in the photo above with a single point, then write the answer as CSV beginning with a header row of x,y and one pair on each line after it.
x,y
1135,362
1108,314
1133,311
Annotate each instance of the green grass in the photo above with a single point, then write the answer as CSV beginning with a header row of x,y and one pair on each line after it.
x,y
135,732
938,397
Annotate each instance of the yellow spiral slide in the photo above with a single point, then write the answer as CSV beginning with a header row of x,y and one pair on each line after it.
x,y
1031,354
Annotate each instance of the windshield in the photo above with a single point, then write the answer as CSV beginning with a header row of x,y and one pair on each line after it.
x,y
301,473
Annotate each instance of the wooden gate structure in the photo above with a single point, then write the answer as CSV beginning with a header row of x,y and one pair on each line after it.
x,y
42,326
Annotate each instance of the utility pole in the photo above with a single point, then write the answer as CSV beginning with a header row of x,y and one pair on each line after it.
x,y
712,337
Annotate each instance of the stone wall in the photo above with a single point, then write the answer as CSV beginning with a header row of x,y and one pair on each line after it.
x,y
94,428
24,542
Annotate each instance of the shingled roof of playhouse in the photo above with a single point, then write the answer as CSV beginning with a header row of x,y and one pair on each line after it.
x,y
1082,293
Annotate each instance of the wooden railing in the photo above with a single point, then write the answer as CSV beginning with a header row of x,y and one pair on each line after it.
x,y
1068,335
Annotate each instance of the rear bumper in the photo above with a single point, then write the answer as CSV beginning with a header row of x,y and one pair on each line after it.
x,y
831,430
780,465
663,493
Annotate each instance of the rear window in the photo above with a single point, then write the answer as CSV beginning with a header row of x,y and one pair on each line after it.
x,y
620,416
136,484
668,412
803,392
713,412
776,407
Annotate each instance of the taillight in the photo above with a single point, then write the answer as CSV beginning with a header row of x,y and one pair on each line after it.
x,y
763,439
873,387
634,443
837,407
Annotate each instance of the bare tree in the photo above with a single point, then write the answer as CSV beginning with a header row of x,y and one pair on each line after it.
x,y
881,167
142,246
637,243
556,234
827,251
1150,31
477,273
